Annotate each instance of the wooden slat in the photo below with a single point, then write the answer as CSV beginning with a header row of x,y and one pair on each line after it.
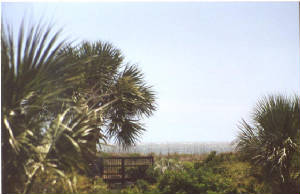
x,y
113,169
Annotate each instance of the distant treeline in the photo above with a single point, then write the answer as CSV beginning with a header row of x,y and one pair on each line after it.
x,y
165,148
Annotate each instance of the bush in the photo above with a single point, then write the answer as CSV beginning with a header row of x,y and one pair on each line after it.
x,y
188,166
142,185
152,175
197,164
165,164
51,182
219,174
211,157
178,182
136,173
213,182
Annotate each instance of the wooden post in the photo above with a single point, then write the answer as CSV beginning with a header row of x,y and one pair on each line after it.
x,y
123,171
101,167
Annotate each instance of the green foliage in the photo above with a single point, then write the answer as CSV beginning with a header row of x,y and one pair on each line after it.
x,y
211,157
272,141
152,175
222,176
142,185
197,164
49,182
146,173
28,90
59,101
181,182
188,166
218,173
118,93
165,164
138,172
244,178
88,185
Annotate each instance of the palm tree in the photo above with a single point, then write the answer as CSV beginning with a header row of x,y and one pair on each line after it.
x,y
114,93
117,89
58,101
272,141
28,89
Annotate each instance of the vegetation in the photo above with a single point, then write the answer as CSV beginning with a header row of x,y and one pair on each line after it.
x,y
60,101
217,173
271,142
266,161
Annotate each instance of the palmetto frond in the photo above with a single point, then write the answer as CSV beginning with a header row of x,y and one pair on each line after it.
x,y
58,101
27,89
272,139
120,97
34,81
135,99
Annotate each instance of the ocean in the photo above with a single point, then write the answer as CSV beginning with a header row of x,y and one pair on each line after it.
x,y
173,147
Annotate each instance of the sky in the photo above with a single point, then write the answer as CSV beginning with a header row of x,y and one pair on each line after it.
x,y
208,62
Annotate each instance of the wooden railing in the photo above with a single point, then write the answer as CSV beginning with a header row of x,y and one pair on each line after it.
x,y
117,169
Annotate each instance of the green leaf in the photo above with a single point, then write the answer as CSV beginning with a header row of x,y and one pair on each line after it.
x,y
74,143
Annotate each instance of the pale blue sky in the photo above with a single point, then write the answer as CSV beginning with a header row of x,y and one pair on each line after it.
x,y
208,62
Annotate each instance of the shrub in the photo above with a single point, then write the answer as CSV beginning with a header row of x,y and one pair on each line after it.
x,y
211,157
50,182
197,164
220,174
138,172
152,175
188,166
165,164
142,185
178,182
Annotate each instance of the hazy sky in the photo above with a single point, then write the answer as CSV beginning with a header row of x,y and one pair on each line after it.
x,y
208,62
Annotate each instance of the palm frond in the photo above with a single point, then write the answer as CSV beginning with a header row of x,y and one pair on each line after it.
x,y
271,141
